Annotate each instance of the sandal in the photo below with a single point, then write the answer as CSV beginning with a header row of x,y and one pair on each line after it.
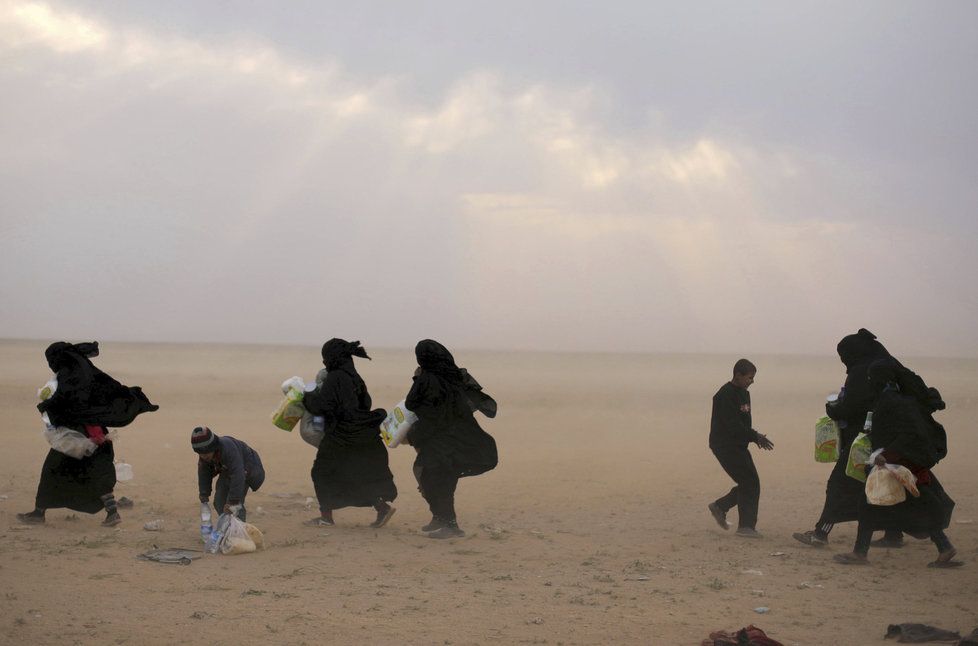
x,y
946,560
319,521
850,558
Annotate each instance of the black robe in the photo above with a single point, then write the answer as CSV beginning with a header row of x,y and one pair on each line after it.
x,y
447,435
901,429
77,484
842,493
351,466
85,394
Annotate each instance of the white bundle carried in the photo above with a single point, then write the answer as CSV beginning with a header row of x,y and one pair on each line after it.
x,y
72,443
399,421
887,485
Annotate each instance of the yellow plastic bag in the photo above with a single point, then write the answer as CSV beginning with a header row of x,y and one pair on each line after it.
x,y
826,440
290,411
859,453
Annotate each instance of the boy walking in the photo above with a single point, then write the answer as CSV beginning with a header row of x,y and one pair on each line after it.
x,y
730,435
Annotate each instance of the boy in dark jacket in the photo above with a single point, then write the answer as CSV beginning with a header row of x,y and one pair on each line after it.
x,y
236,465
730,435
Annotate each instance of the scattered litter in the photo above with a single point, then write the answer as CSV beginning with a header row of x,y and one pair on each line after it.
x,y
308,502
754,572
757,593
808,584
124,503
778,553
286,496
20,527
5,496
536,620
963,521
154,525
170,555
640,577
259,511
761,610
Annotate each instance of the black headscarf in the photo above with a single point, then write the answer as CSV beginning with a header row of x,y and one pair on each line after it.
x,y
338,352
85,394
860,348
434,357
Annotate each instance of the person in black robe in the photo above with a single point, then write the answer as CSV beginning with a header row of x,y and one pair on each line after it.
x,y
449,442
856,398
904,433
731,433
89,401
351,467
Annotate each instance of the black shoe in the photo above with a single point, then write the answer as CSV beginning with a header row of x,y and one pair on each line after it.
x,y
718,515
436,523
748,532
448,531
383,515
112,519
31,518
124,503
811,538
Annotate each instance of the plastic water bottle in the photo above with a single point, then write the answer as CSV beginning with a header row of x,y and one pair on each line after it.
x,y
205,522
123,471
218,534
868,426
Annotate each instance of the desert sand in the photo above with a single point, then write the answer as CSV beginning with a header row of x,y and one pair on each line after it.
x,y
592,530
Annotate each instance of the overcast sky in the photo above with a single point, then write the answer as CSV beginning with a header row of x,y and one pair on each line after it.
x,y
626,176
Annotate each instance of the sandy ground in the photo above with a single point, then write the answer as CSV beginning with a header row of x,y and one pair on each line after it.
x,y
593,529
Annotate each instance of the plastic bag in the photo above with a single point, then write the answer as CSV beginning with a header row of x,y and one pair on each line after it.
x,y
290,411
859,453
72,443
255,535
395,428
826,440
44,392
312,429
236,539
887,485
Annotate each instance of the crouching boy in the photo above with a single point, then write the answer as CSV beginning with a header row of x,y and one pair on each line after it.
x,y
236,465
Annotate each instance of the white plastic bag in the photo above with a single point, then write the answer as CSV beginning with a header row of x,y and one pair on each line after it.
x,y
236,539
399,421
72,443
290,410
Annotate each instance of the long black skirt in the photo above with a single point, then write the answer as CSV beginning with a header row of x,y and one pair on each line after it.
x,y
918,517
356,475
76,484
842,493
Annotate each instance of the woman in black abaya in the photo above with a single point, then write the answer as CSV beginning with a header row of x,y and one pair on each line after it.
x,y
351,467
842,493
89,401
905,433
449,441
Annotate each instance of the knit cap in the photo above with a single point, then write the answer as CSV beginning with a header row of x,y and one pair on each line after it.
x,y
203,440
